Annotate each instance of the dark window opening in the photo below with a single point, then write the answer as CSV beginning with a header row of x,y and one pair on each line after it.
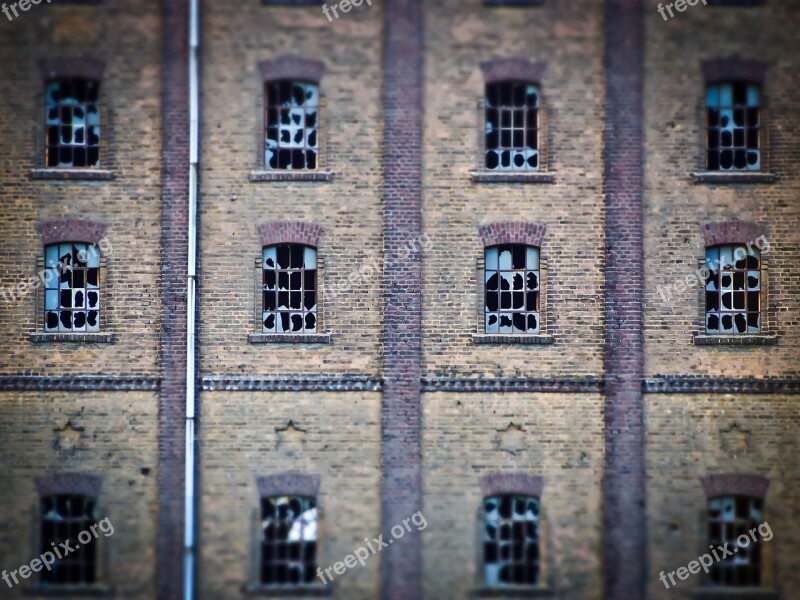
x,y
733,127
289,542
289,289
511,540
512,126
63,518
72,123
728,518
291,124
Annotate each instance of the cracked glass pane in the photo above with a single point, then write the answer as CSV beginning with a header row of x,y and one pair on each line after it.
x,y
291,122
728,518
72,123
511,540
71,288
511,289
512,126
289,540
732,119
289,289
733,303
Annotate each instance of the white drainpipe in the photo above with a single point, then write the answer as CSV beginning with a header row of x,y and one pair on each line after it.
x,y
189,495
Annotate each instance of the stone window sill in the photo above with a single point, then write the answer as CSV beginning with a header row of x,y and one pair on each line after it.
x,y
283,591
733,177
498,338
85,338
77,174
512,177
514,591
279,175
728,593
65,591
750,339
289,338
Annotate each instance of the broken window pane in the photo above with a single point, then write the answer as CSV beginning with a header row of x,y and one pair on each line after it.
x,y
512,126
72,288
733,302
732,111
728,518
511,540
289,540
63,518
291,122
72,123
289,289
512,289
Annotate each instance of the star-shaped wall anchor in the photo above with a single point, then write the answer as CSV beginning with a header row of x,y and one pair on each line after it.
x,y
511,439
735,440
66,438
290,437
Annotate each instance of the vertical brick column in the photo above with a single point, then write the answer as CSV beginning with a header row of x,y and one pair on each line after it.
x,y
174,256
401,491
624,502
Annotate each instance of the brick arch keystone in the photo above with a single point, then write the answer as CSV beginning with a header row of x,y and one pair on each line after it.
x,y
512,483
513,69
292,67
85,484
733,68
79,67
72,230
288,484
531,234
290,232
731,232
735,484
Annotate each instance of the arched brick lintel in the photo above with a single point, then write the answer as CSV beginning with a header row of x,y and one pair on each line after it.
x,y
292,67
513,69
290,232
512,483
72,230
79,67
735,484
288,484
84,484
733,68
531,234
731,232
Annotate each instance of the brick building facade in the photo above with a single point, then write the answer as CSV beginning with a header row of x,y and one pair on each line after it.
x,y
367,183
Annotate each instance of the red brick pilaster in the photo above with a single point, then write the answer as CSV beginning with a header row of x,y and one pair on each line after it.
x,y
401,487
174,253
624,522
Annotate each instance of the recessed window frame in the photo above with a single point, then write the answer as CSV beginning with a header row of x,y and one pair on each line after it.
x,y
722,97
528,563
274,120
260,291
518,120
722,529
102,332
494,267
303,274
55,126
542,336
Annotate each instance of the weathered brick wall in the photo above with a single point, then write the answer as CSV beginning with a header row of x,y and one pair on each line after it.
x,y
111,434
118,430
126,36
460,36
238,37
676,208
692,436
245,435
556,436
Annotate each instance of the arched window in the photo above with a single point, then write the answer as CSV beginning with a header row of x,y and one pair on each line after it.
x,y
512,289
289,289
